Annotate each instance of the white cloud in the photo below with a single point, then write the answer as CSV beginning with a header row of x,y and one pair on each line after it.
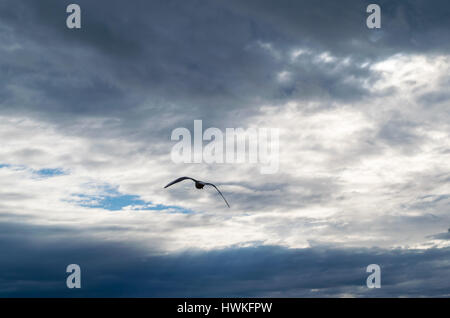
x,y
339,182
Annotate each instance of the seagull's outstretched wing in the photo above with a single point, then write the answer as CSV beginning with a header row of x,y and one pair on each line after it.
x,y
178,180
210,184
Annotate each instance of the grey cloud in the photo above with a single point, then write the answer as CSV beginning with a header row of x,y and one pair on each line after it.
x,y
400,133
435,97
442,236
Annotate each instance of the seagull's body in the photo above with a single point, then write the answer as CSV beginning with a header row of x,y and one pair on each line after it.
x,y
198,184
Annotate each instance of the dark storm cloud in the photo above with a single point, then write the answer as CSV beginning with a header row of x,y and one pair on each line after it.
x,y
35,266
339,26
157,52
201,58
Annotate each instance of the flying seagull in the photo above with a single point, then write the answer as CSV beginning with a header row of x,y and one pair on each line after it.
x,y
198,185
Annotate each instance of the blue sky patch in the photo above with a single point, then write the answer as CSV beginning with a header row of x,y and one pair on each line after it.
x,y
113,200
49,172
45,173
12,167
109,202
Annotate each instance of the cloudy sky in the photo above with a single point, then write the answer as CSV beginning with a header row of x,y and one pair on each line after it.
x,y
86,117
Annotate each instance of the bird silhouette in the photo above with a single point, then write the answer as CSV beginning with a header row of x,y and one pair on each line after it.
x,y
198,185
